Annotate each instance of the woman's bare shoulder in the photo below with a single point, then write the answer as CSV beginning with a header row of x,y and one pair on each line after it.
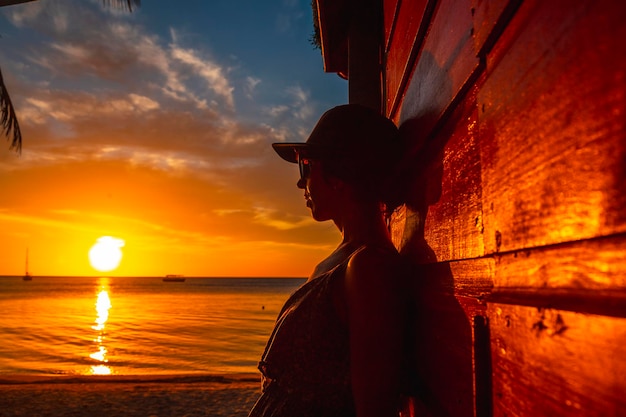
x,y
374,256
374,266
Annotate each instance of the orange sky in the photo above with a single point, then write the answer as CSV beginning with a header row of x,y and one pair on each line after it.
x,y
162,142
171,223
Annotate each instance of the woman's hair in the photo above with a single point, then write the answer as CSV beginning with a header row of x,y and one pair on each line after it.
x,y
373,178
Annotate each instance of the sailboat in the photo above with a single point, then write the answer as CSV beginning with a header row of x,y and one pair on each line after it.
x,y
27,276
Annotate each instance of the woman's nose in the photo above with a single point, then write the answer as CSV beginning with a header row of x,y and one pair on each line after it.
x,y
301,184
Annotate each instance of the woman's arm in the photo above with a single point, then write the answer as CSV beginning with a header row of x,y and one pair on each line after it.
x,y
376,317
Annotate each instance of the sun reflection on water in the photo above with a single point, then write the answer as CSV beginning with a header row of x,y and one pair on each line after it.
x,y
103,305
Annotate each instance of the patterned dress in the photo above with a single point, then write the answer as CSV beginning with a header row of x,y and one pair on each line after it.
x,y
305,366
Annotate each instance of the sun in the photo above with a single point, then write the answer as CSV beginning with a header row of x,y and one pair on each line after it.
x,y
105,255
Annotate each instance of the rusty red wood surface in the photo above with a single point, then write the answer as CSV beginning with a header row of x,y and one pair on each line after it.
x,y
450,205
548,362
490,18
593,265
552,137
587,276
445,65
390,14
402,43
442,217
514,116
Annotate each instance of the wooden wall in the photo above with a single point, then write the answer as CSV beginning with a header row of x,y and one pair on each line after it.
x,y
515,117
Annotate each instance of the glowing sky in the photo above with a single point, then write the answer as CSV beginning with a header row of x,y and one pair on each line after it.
x,y
154,127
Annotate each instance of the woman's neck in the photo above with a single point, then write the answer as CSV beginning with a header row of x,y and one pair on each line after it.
x,y
362,225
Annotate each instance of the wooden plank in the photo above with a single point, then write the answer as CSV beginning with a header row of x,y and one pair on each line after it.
x,y
446,64
490,18
444,205
450,358
551,122
403,43
586,276
594,265
390,16
453,226
556,363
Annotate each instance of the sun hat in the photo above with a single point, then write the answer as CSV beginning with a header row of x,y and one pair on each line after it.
x,y
349,130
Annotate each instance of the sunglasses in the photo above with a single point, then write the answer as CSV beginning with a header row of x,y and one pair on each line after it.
x,y
305,167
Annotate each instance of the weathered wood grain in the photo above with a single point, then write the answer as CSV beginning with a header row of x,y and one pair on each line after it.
x,y
444,202
410,21
551,123
390,16
490,18
585,276
594,265
556,363
444,67
454,223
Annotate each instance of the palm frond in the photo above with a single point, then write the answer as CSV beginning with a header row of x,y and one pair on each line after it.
x,y
315,38
8,118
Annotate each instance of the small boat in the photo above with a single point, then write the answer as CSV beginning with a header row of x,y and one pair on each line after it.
x,y
27,276
173,278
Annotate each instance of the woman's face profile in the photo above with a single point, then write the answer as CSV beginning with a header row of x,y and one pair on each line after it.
x,y
319,192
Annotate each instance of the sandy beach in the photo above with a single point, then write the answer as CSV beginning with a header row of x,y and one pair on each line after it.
x,y
111,396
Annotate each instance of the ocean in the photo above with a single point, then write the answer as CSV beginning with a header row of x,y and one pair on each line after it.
x,y
137,326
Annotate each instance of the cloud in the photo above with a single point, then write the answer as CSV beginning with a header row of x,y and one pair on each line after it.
x,y
277,219
117,93
66,108
142,103
250,86
105,51
212,73
301,102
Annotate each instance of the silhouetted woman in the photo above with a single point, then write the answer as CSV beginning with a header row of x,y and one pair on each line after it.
x,y
337,346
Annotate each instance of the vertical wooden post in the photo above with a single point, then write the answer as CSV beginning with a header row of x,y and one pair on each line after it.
x,y
482,368
364,53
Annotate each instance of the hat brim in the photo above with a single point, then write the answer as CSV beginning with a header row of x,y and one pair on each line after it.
x,y
289,150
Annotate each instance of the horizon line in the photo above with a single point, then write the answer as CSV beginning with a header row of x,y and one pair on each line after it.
x,y
155,276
